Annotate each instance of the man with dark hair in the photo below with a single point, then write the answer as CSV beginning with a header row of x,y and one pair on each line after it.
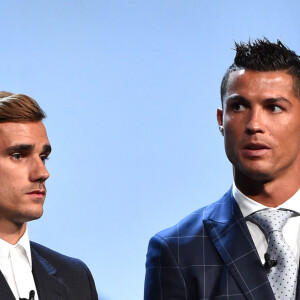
x,y
29,270
247,244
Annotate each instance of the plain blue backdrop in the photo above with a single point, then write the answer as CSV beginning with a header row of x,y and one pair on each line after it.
x,y
131,90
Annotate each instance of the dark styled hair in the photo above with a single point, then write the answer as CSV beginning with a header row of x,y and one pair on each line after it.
x,y
262,55
19,108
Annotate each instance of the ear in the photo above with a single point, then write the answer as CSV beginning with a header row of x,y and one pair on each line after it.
x,y
220,116
220,120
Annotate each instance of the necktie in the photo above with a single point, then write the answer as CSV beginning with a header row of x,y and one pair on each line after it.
x,y
280,261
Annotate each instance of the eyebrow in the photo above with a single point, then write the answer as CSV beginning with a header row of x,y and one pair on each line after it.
x,y
27,147
47,148
277,99
236,97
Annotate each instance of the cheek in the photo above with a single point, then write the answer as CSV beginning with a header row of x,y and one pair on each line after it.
x,y
234,124
232,134
10,183
286,140
8,190
231,147
285,133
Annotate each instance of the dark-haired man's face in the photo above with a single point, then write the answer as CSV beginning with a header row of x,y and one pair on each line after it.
x,y
24,148
261,120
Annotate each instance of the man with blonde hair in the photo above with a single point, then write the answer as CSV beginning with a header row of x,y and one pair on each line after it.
x,y
29,270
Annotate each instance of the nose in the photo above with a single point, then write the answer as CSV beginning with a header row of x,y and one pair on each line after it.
x,y
38,171
255,122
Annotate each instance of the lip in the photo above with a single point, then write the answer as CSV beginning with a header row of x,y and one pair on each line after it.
x,y
255,149
37,193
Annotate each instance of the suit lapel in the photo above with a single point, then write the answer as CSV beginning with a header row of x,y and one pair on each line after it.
x,y
228,231
48,287
5,291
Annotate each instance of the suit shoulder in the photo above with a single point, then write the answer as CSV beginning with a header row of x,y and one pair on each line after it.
x,y
192,225
72,272
57,258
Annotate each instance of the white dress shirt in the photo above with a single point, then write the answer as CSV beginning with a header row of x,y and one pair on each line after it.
x,y
290,231
16,266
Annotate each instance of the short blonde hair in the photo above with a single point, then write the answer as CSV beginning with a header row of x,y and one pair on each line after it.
x,y
19,108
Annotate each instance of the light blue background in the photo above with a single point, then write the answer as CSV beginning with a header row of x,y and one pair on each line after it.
x,y
131,90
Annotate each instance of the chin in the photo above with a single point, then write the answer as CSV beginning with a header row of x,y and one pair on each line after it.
x,y
255,171
258,174
36,215
30,215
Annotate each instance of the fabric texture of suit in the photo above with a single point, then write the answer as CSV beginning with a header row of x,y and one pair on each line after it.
x,y
57,277
208,255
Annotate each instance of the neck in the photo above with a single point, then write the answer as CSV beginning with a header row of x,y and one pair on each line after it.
x,y
271,192
11,233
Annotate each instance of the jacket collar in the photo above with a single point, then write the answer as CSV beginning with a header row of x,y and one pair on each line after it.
x,y
229,233
47,284
5,291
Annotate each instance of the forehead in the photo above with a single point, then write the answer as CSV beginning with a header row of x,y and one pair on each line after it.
x,y
23,133
249,83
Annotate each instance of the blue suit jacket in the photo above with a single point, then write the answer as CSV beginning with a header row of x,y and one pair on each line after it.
x,y
57,277
208,255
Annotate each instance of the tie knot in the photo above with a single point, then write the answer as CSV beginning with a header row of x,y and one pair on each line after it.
x,y
271,219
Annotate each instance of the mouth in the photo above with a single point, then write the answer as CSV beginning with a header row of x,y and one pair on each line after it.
x,y
255,149
37,193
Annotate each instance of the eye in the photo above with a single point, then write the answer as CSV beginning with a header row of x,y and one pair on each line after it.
x,y
16,156
275,108
44,157
238,107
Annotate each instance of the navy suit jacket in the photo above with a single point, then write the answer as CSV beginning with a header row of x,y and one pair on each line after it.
x,y
57,277
208,255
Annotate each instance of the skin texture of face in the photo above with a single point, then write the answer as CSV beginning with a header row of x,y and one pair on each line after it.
x,y
260,122
24,147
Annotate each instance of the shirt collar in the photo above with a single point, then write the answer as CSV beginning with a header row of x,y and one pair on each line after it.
x,y
249,206
24,242
4,252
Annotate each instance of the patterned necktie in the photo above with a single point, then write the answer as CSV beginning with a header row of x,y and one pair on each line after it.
x,y
280,264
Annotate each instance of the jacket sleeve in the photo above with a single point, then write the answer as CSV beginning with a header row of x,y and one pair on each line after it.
x,y
164,280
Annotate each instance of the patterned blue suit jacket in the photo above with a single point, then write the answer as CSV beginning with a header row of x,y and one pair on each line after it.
x,y
208,255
